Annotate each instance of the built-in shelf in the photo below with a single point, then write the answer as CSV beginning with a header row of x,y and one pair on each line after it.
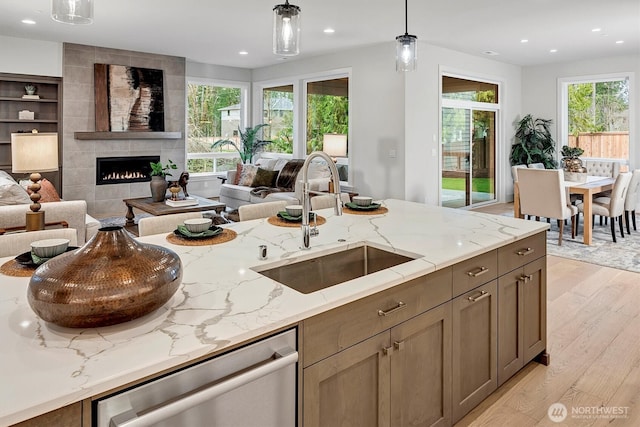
x,y
27,121
127,135
10,98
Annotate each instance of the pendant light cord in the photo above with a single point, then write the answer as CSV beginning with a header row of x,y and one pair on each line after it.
x,y
406,19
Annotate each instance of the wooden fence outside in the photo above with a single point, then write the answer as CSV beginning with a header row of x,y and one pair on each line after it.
x,y
608,145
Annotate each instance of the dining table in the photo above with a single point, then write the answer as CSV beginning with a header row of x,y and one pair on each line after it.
x,y
592,186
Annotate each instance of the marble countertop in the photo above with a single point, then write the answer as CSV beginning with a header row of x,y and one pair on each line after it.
x,y
223,302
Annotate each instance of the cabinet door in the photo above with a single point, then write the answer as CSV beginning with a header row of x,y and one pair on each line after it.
x,y
535,308
350,388
474,324
510,324
421,370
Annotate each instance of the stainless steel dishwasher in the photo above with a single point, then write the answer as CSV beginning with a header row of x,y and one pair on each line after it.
x,y
254,386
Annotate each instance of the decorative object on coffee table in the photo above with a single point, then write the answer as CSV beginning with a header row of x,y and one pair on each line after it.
x,y
95,285
183,181
159,184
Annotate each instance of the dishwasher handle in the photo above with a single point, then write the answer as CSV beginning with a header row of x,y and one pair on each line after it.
x,y
281,359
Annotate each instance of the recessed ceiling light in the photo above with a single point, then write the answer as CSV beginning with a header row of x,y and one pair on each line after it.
x,y
524,41
243,52
595,30
490,53
619,41
553,50
28,21
329,31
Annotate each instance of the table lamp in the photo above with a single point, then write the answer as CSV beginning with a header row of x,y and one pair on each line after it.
x,y
335,145
34,153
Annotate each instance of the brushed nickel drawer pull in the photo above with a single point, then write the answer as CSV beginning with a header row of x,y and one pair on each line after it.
x,y
525,252
483,294
398,307
477,273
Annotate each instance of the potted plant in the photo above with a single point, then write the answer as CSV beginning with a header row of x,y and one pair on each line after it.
x,y
534,143
250,144
572,164
159,173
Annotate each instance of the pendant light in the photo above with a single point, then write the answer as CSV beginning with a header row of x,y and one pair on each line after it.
x,y
406,47
286,29
72,11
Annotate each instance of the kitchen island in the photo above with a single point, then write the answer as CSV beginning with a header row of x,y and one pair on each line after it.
x,y
223,302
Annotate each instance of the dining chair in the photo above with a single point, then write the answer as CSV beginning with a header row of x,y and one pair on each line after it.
x,y
543,194
261,210
611,207
328,201
631,200
163,223
606,168
18,243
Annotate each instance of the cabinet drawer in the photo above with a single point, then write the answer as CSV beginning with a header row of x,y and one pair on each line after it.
x,y
519,253
474,272
334,330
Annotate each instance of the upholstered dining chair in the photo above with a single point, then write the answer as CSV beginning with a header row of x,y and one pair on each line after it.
x,y
611,207
18,243
327,201
261,210
631,201
543,194
163,223
606,168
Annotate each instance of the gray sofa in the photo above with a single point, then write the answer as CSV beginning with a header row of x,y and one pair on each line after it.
x,y
234,196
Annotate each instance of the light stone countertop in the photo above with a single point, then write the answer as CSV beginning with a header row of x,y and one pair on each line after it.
x,y
223,302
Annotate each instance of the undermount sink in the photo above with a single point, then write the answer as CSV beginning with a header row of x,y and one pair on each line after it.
x,y
326,270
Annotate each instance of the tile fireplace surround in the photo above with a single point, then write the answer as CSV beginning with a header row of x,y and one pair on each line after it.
x,y
79,156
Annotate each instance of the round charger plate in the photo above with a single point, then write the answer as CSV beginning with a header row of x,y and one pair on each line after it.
x,y
379,211
371,207
280,222
12,268
225,236
27,260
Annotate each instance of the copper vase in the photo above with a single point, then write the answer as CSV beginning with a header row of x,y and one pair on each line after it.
x,y
112,279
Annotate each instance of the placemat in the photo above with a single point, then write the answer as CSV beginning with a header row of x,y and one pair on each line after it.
x,y
15,269
226,236
381,210
276,220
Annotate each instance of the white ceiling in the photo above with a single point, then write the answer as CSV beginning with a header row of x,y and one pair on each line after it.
x,y
214,31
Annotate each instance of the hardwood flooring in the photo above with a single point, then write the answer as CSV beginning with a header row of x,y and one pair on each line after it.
x,y
594,341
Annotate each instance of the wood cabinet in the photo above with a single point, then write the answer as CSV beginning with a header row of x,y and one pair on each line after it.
x,y
475,339
67,416
47,110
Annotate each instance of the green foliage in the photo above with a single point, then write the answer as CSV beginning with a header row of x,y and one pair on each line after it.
x,y
534,143
158,169
325,114
598,106
571,152
204,101
250,144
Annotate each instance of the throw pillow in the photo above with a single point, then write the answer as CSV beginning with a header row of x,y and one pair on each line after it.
x,y
236,179
47,192
247,175
264,178
11,193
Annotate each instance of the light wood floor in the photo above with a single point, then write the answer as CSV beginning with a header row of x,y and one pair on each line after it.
x,y
593,338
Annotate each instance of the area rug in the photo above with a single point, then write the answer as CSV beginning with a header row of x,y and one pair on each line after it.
x,y
624,255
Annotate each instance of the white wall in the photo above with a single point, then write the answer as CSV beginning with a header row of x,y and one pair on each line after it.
x,y
376,116
422,107
35,57
540,91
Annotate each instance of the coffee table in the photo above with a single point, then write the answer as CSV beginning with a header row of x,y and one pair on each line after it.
x,y
146,204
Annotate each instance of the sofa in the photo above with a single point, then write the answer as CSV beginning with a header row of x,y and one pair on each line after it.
x,y
15,202
241,188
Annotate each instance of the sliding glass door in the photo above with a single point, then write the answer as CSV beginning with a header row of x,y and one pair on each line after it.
x,y
468,143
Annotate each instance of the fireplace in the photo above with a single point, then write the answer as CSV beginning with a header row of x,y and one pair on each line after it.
x,y
122,170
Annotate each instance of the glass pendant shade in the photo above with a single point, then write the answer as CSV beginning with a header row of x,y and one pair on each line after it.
x,y
406,53
72,11
286,29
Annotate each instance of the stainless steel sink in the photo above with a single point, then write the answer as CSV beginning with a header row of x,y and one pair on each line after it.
x,y
323,271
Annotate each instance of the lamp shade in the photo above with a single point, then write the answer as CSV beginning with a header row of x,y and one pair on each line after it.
x,y
72,11
34,152
335,145
286,29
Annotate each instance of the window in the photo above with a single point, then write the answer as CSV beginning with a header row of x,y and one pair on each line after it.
x,y
277,112
596,117
214,111
327,111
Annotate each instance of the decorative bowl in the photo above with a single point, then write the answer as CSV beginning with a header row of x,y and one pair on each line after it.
x,y
362,200
197,225
293,210
49,248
